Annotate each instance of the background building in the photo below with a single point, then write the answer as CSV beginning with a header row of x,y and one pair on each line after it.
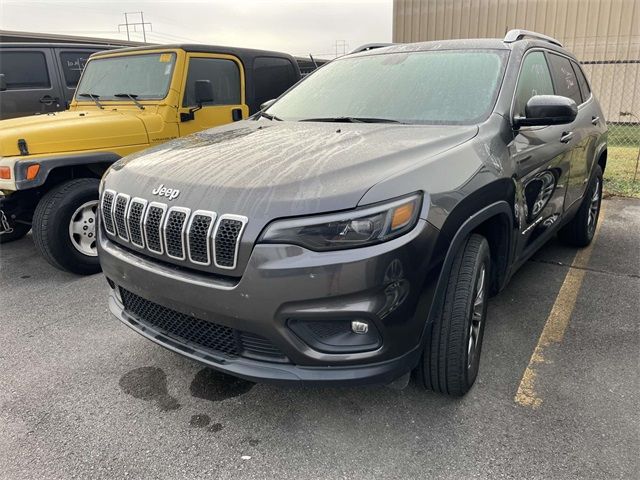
x,y
603,34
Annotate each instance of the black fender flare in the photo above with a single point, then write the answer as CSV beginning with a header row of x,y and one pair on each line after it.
x,y
48,164
603,147
501,207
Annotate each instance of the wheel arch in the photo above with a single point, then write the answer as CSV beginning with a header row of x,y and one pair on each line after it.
x,y
602,159
495,221
53,170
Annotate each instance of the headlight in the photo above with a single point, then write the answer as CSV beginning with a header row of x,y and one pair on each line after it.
x,y
357,228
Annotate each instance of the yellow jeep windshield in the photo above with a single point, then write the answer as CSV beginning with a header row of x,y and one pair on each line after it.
x,y
145,77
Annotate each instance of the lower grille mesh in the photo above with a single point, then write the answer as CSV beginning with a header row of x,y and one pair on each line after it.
x,y
208,335
257,345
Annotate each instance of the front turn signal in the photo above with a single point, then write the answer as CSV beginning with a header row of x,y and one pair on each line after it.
x,y
32,171
5,173
402,215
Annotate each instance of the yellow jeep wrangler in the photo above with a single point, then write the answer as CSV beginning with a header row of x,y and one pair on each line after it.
x,y
126,100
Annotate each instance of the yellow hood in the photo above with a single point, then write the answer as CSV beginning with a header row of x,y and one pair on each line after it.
x,y
72,131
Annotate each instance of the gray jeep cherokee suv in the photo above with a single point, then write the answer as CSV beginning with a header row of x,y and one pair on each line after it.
x,y
353,231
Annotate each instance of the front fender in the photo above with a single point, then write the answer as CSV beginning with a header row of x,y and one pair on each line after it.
x,y
48,164
452,238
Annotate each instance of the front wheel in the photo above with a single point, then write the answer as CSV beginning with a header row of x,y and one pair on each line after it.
x,y
451,355
64,226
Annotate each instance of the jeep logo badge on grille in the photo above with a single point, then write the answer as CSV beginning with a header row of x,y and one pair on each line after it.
x,y
162,191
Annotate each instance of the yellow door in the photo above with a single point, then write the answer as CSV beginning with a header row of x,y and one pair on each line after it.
x,y
225,75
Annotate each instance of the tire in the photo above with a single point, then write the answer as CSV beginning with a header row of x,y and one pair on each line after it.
x,y
51,226
580,230
451,354
19,231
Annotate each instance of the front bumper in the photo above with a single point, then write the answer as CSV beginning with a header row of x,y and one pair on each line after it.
x,y
388,285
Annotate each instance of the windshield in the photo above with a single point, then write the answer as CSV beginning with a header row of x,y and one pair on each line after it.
x,y
147,77
448,86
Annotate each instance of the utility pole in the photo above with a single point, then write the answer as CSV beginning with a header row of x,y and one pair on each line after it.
x,y
141,23
341,44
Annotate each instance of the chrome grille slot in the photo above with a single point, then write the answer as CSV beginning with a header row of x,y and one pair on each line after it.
x,y
107,211
120,215
134,219
153,226
174,229
198,234
226,239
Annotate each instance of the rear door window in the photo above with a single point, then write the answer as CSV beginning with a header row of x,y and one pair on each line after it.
x,y
564,78
24,70
271,77
73,63
534,79
224,76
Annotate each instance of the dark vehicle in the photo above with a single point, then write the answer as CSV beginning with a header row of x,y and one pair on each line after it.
x,y
354,230
40,77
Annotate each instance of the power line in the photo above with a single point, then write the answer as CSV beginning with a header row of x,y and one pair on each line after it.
x,y
173,37
127,24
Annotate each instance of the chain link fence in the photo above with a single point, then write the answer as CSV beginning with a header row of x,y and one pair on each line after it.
x,y
616,85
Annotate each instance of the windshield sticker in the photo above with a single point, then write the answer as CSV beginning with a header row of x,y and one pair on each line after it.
x,y
165,58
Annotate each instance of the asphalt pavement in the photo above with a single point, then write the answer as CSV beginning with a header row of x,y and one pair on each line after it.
x,y
83,396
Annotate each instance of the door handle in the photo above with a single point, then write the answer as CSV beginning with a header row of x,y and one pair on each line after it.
x,y
595,120
566,137
48,99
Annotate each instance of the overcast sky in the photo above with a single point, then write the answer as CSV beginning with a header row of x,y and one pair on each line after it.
x,y
293,26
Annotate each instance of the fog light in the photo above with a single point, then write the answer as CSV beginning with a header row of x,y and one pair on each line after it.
x,y
359,327
337,335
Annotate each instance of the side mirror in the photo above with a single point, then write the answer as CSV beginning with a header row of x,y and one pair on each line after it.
x,y
542,110
3,83
267,104
203,92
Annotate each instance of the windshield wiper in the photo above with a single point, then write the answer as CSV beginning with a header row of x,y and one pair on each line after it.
x,y
131,96
350,120
92,97
268,116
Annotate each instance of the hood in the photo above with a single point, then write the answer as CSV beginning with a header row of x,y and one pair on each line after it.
x,y
266,170
72,131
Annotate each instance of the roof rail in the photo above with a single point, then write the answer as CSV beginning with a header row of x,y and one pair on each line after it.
x,y
517,34
370,46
